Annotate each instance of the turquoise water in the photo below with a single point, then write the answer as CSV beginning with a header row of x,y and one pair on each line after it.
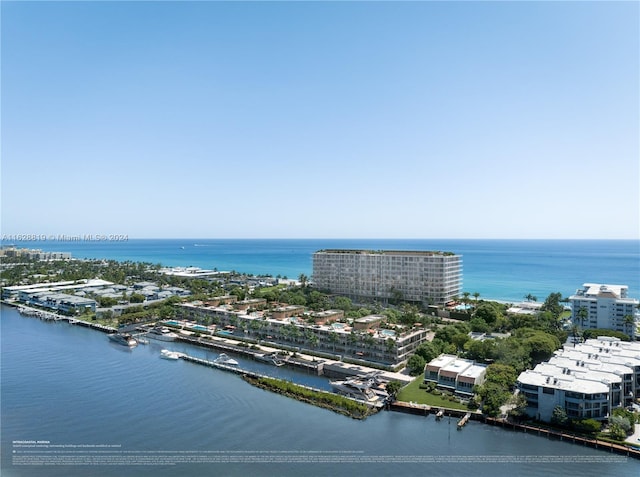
x,y
498,269
70,386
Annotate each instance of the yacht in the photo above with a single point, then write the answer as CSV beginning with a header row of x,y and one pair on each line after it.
x,y
124,339
356,388
224,359
271,358
172,355
162,333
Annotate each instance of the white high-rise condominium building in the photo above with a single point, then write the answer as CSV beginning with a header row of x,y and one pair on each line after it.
x,y
605,307
419,276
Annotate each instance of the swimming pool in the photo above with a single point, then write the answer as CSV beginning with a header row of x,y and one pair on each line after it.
x,y
173,323
199,328
389,333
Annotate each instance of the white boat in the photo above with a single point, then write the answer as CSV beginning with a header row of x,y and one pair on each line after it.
x,y
355,388
124,339
172,355
224,359
162,333
271,358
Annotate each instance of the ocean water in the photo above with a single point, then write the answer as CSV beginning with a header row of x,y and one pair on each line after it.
x,y
124,413
497,269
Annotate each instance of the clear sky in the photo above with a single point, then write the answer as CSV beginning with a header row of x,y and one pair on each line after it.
x,y
328,119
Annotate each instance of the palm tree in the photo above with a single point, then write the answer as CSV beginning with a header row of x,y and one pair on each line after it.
x,y
465,297
303,279
582,315
476,295
629,324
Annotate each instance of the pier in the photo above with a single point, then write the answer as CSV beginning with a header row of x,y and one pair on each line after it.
x,y
425,409
311,367
51,316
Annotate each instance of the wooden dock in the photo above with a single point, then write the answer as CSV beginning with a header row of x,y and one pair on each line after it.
x,y
291,362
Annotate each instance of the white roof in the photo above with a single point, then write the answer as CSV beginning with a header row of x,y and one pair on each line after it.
x,y
562,382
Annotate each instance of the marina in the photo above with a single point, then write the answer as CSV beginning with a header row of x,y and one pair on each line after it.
x,y
191,398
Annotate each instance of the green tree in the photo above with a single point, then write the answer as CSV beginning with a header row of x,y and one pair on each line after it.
x,y
629,325
416,365
342,303
559,417
480,350
459,340
493,397
502,375
541,346
478,325
428,350
616,432
488,312
136,298
393,387
552,304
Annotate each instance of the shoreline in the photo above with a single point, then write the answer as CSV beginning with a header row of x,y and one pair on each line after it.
x,y
424,410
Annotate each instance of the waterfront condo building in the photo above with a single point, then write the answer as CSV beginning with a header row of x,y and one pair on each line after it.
x,y
587,380
418,276
605,307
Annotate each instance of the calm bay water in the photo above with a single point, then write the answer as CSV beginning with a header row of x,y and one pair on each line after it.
x,y
498,269
70,386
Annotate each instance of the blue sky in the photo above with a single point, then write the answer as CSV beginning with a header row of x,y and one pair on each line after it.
x,y
329,119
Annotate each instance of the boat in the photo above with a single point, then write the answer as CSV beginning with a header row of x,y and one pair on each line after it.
x,y
124,339
271,358
439,414
464,420
162,333
356,388
172,355
224,359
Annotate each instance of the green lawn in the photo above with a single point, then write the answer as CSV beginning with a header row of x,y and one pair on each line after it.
x,y
412,393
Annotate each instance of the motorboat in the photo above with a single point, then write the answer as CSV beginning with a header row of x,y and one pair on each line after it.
x,y
162,333
271,358
124,339
168,354
356,388
224,359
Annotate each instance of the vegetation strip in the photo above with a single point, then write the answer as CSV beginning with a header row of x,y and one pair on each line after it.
x,y
333,402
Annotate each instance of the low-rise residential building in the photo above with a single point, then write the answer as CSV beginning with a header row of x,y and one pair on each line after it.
x,y
382,346
368,322
455,374
580,398
587,380
289,311
326,316
254,303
